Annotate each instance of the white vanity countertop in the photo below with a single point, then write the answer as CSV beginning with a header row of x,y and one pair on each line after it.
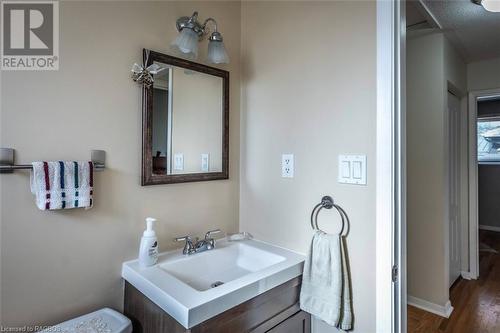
x,y
181,284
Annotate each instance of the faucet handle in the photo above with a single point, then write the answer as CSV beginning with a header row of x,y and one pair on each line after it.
x,y
183,238
211,232
188,246
186,238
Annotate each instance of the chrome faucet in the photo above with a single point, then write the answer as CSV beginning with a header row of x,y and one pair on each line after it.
x,y
196,246
188,246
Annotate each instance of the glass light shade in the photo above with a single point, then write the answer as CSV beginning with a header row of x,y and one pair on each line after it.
x,y
186,43
217,52
491,5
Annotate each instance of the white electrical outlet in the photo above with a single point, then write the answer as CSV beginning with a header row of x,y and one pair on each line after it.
x,y
205,162
287,166
179,162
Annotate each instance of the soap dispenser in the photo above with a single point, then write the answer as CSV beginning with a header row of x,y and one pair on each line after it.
x,y
148,251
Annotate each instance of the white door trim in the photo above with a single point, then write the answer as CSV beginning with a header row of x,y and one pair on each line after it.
x,y
443,311
391,181
473,180
452,140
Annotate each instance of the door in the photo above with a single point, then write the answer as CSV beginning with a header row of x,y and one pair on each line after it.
x,y
454,186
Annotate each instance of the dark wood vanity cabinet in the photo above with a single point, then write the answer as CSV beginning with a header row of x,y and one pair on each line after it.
x,y
275,311
298,323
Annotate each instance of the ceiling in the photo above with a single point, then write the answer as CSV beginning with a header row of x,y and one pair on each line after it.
x,y
416,16
474,31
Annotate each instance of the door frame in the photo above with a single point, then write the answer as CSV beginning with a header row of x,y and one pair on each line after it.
x,y
473,179
459,95
391,168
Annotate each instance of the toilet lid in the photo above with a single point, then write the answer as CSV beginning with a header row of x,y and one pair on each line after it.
x,y
102,321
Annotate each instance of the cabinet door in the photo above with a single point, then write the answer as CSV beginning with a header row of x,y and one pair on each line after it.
x,y
298,323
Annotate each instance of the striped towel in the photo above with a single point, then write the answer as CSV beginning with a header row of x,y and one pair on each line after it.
x,y
62,184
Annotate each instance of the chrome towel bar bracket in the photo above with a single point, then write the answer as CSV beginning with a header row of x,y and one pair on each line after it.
x,y
98,157
328,203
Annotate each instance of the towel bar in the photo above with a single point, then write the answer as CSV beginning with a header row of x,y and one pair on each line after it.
x,y
327,202
7,165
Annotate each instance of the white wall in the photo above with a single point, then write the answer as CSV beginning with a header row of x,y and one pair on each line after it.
x,y
55,265
431,64
309,88
483,75
455,74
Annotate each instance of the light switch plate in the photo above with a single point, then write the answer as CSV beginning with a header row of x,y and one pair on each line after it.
x,y
357,170
352,169
287,166
179,162
345,169
205,162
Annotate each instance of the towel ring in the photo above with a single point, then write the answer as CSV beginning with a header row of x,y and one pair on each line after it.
x,y
327,202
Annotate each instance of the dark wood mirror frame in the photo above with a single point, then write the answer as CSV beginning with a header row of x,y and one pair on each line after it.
x,y
147,175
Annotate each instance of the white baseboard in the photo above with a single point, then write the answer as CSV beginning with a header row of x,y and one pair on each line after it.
x,y
466,275
489,227
443,311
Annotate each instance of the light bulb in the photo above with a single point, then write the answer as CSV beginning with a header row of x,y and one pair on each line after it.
x,y
491,5
186,43
217,53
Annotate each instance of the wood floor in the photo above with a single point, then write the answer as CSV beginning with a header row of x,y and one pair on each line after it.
x,y
476,302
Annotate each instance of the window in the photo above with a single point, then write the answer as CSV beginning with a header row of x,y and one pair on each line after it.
x,y
488,139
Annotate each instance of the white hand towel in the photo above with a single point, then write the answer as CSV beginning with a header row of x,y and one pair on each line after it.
x,y
325,289
346,317
62,185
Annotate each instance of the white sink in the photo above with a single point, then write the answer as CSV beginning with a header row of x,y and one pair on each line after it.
x,y
226,264
195,288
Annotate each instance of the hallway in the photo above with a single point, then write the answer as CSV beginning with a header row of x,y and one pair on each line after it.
x,y
476,302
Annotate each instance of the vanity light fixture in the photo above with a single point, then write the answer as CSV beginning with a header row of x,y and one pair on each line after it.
x,y
489,5
191,32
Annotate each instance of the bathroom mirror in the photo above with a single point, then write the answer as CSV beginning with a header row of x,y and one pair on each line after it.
x,y
185,122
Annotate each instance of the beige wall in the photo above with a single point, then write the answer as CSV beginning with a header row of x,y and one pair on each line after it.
x,y
431,64
309,88
484,74
55,265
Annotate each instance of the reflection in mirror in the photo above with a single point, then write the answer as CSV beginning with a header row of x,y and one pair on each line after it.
x,y
160,121
197,121
187,121
185,134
